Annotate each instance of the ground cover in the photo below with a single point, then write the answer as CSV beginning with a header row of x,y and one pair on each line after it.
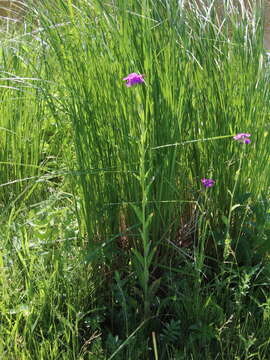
x,y
134,175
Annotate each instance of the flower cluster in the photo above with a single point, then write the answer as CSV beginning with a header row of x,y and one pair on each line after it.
x,y
243,138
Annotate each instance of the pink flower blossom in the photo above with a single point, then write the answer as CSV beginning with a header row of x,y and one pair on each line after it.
x,y
242,138
208,182
133,79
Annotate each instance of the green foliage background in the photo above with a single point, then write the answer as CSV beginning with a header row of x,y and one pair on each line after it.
x,y
110,246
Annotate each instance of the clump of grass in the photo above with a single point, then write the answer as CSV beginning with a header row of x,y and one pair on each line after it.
x,y
47,307
179,264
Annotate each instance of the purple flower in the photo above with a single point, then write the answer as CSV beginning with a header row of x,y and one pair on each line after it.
x,y
208,182
133,79
242,138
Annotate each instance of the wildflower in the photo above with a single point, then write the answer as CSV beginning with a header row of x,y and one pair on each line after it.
x,y
133,79
242,138
208,182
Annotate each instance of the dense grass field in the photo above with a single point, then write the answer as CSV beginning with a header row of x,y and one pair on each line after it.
x,y
134,183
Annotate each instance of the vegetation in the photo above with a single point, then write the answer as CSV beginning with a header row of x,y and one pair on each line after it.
x,y
112,246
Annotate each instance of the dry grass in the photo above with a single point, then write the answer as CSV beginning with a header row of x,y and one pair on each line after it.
x,y
12,9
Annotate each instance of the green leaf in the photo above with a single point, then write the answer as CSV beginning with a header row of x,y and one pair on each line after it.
x,y
224,219
149,220
154,288
138,257
138,212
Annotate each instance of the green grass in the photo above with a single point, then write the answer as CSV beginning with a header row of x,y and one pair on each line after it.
x,y
110,246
